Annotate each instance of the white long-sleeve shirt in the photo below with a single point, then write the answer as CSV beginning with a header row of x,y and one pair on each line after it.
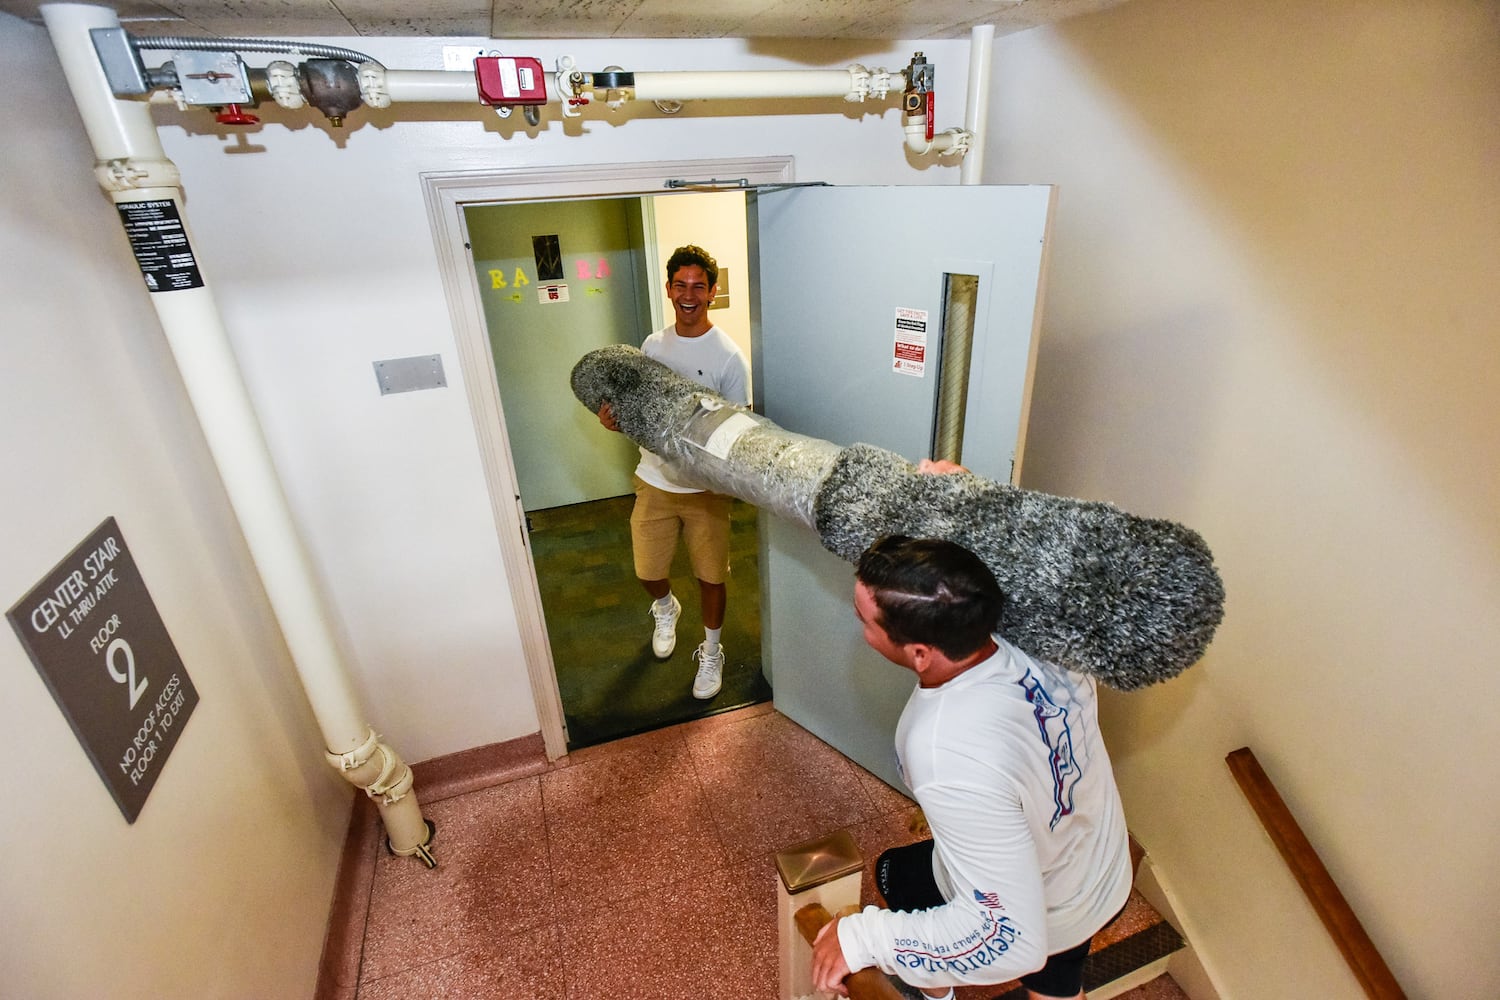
x,y
1031,849
711,359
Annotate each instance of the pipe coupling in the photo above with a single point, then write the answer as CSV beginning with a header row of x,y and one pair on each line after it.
x,y
395,779
876,83
951,142
285,86
372,85
391,780
132,175
355,759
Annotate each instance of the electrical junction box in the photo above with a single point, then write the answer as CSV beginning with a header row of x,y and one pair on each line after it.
x,y
509,80
212,78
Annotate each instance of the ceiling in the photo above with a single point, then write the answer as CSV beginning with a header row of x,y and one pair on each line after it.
x,y
546,19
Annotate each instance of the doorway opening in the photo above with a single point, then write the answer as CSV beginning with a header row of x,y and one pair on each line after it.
x,y
852,385
556,280
546,275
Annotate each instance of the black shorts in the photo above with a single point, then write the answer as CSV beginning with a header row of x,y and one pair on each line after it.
x,y
904,877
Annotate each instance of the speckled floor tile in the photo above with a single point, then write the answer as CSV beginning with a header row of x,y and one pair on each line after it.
x,y
713,936
771,784
883,797
627,820
521,965
635,870
491,881
879,834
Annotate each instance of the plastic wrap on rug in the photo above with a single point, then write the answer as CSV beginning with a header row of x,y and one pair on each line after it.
x,y
1089,587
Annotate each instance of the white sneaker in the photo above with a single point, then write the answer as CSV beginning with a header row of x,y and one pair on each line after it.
x,y
710,672
664,636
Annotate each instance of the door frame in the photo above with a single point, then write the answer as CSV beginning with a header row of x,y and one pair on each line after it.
x,y
446,194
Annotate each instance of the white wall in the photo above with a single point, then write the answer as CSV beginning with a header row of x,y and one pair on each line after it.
x,y
1271,315
321,255
717,223
221,886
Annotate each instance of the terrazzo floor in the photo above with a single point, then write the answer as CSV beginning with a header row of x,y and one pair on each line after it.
x,y
635,870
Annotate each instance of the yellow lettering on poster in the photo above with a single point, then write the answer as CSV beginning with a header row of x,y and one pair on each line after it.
x,y
521,278
497,279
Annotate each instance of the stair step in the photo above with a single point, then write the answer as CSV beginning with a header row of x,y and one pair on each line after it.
x,y
1163,987
1138,939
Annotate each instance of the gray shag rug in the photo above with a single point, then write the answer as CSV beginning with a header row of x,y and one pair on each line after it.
x,y
1089,587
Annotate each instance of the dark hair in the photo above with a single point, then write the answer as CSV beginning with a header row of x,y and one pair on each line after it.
x,y
693,255
931,591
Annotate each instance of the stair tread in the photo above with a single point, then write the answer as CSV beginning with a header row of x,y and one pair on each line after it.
x,y
1138,937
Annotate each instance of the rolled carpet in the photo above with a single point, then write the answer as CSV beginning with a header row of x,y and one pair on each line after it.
x,y
1089,587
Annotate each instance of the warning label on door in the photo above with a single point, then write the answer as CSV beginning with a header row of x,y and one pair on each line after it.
x,y
160,243
911,342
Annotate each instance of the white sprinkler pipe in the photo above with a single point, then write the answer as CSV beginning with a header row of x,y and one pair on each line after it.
x,y
732,85
951,142
133,167
459,87
981,56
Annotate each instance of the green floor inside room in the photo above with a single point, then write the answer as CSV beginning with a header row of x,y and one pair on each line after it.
x,y
597,622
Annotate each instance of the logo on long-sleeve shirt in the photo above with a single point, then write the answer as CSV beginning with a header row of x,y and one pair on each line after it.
x,y
1052,723
975,951
989,900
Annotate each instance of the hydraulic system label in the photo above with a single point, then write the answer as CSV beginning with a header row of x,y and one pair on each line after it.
x,y
160,243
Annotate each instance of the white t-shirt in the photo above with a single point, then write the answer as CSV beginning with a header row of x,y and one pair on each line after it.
x,y
711,359
1031,848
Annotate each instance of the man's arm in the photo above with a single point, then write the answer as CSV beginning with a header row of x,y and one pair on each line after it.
x,y
995,927
607,416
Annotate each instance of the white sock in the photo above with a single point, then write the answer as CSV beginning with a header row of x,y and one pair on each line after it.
x,y
711,639
664,603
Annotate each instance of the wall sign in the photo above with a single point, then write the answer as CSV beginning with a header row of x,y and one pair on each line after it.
x,y
911,342
103,651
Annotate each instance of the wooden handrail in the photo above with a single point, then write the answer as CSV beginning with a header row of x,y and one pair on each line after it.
x,y
866,984
1347,932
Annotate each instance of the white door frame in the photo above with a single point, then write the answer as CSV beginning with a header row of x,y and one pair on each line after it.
x,y
446,195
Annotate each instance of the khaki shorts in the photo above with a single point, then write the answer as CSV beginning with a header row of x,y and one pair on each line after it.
x,y
659,517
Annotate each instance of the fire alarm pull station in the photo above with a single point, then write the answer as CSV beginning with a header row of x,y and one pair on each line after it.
x,y
510,80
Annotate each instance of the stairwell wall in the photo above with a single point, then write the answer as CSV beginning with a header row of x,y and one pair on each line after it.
x,y
1271,315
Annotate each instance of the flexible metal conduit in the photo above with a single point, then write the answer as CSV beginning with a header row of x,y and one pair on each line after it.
x,y
249,45
133,167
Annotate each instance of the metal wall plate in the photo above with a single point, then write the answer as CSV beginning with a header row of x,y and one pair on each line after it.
x,y
408,374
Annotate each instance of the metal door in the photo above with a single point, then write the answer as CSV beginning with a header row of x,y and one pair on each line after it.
x,y
850,282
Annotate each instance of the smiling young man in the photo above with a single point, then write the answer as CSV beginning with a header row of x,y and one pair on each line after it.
x,y
1029,855
666,509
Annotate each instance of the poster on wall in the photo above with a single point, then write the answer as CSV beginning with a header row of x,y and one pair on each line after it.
x,y
547,250
95,636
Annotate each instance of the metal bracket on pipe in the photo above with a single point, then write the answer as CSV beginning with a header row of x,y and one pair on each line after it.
x,y
133,175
